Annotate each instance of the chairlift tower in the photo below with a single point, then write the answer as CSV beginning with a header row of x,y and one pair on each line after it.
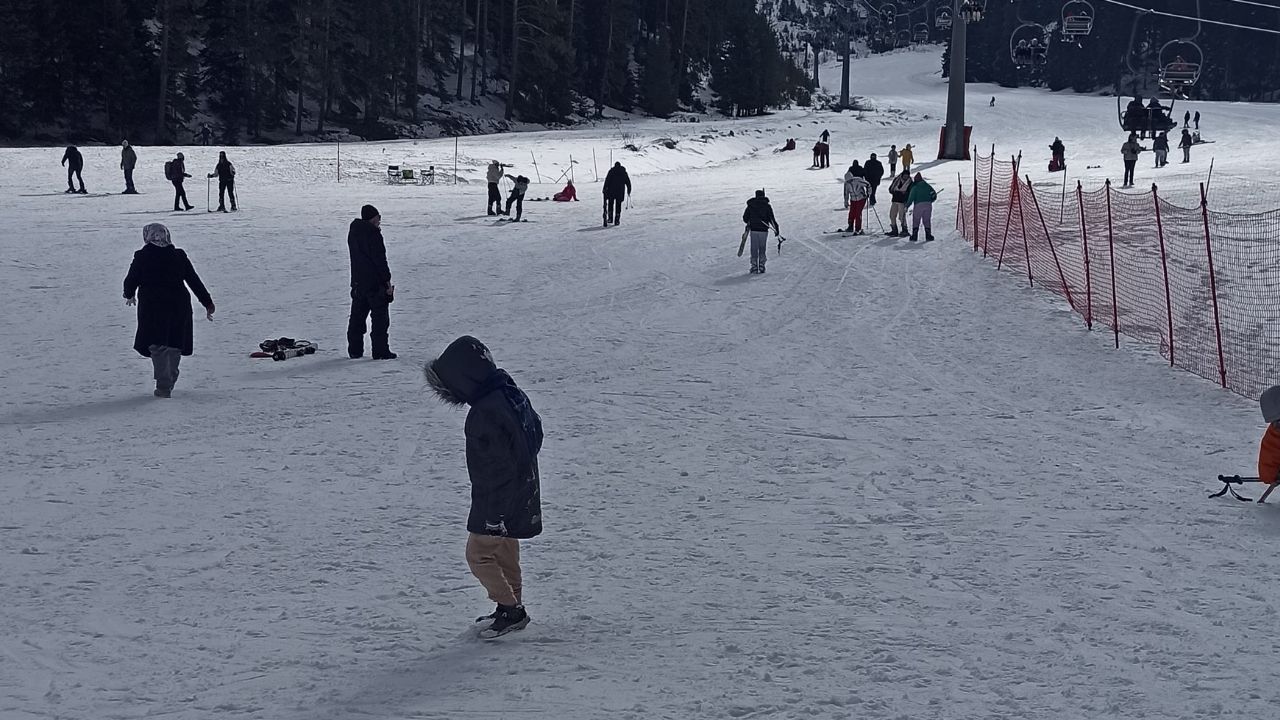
x,y
954,143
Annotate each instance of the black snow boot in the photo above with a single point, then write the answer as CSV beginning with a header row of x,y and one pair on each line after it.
x,y
893,231
509,619
915,236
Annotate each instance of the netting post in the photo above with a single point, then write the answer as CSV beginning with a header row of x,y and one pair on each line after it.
x,y
975,198
1049,239
991,179
960,205
1111,245
1008,218
1022,222
1088,275
1213,284
1164,267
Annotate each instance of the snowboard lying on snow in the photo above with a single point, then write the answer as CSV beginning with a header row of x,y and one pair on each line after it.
x,y
284,348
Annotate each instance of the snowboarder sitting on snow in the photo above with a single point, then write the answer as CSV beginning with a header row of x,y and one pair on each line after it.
x,y
503,437
759,218
791,145
75,163
569,193
922,196
899,189
517,195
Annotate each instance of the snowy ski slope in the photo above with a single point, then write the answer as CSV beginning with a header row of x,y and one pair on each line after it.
x,y
880,481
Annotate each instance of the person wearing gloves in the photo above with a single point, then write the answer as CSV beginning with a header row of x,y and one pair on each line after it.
x,y
899,189
503,437
157,283
226,174
617,187
921,196
176,171
371,290
857,190
759,219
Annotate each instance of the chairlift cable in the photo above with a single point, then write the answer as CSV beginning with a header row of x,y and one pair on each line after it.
x,y
1223,23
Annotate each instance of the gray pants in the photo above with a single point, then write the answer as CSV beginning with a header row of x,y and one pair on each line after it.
x,y
759,242
165,359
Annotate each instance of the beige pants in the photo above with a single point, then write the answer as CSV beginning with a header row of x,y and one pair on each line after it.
x,y
898,211
495,561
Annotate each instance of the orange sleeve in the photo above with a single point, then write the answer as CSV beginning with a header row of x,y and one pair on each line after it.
x,y
1269,456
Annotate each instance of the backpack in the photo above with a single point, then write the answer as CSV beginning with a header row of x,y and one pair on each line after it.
x,y
168,170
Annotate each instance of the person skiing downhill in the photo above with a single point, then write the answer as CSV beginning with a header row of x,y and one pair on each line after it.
x,y
893,160
75,163
157,283
226,174
371,290
128,161
176,171
494,175
857,190
921,196
759,218
873,171
899,189
503,437
617,186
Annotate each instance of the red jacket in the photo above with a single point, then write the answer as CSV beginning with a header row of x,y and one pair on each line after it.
x,y
1269,456
568,193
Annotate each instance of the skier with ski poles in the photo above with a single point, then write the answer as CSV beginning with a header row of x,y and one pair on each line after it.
x,y
857,190
759,218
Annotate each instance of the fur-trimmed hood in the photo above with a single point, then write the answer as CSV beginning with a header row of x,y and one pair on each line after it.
x,y
463,373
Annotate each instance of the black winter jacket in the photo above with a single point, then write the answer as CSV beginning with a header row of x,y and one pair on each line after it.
x,y
369,271
616,182
160,277
73,157
225,171
504,435
873,171
128,158
759,214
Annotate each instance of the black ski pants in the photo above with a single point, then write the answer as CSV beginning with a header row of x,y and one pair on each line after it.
x,y
363,305
495,199
128,180
518,201
612,210
74,172
871,199
179,194
1128,170
226,187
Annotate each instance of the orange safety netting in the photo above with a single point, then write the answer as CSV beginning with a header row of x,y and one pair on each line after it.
x,y
1203,286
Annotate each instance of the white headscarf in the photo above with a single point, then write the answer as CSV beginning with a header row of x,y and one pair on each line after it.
x,y
156,234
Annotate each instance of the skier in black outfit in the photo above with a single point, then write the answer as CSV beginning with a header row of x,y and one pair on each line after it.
x,y
759,219
873,172
75,163
226,174
128,160
617,186
371,290
503,438
176,171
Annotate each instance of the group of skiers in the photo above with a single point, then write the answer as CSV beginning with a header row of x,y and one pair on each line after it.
x,y
1130,150
175,171
617,188
503,431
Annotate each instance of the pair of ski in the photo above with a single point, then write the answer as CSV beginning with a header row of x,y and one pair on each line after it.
x,y
282,349
742,246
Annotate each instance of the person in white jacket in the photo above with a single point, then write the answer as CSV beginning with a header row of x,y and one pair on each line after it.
x,y
494,176
857,190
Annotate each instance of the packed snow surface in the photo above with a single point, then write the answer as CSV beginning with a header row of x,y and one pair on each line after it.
x,y
882,480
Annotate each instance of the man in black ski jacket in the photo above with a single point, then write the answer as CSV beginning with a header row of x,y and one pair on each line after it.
x,y
503,438
759,219
226,174
371,290
873,172
75,163
176,171
617,186
128,160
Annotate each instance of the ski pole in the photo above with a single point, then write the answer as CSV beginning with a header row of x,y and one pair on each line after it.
x,y
876,212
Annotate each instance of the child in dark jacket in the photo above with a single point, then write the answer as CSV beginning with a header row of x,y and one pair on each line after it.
x,y
504,436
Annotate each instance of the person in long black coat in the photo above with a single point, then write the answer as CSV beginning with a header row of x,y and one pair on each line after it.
x,y
371,290
503,438
157,282
75,163
873,172
617,186
128,161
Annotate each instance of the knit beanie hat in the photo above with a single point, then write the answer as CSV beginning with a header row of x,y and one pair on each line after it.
x,y
1270,402
369,212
